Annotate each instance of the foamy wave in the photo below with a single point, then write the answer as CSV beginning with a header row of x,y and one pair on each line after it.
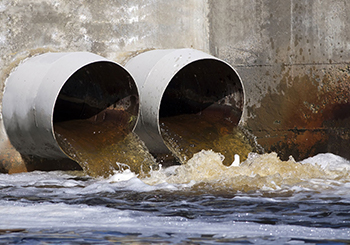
x,y
258,172
329,161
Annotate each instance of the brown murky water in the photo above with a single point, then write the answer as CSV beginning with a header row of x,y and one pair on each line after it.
x,y
104,143
187,134
103,146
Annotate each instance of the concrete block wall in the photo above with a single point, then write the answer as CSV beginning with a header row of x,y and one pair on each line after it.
x,y
292,55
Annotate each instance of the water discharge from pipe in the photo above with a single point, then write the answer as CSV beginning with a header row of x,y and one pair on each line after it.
x,y
190,101
93,122
80,106
200,110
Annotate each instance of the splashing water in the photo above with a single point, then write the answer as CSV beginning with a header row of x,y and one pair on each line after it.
x,y
186,135
259,172
263,200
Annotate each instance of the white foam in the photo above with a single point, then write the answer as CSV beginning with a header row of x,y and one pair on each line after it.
x,y
328,161
122,176
237,161
183,177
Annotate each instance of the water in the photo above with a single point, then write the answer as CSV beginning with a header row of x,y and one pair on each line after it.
x,y
188,134
101,143
262,201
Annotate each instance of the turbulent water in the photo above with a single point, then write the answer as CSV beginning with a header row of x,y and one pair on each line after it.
x,y
100,146
262,201
188,134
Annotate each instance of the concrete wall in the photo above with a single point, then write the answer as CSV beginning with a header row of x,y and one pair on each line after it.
x,y
293,58
292,55
112,29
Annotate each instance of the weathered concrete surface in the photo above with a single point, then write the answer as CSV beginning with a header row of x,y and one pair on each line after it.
x,y
294,61
113,29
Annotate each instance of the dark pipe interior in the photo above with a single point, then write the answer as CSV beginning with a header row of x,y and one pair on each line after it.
x,y
101,87
204,86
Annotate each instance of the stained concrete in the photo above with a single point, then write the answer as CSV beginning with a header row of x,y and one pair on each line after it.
x,y
293,60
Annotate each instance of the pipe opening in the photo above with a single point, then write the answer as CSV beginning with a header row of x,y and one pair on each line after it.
x,y
94,116
99,98
201,108
100,92
191,101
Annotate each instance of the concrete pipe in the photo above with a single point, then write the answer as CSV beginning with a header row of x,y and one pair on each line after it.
x,y
51,88
179,86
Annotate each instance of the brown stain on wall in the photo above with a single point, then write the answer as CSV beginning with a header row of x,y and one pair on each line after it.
x,y
309,115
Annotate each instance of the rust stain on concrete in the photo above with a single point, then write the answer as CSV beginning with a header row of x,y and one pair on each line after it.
x,y
310,115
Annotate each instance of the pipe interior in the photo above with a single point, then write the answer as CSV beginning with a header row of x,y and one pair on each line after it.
x,y
98,91
202,87
96,108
